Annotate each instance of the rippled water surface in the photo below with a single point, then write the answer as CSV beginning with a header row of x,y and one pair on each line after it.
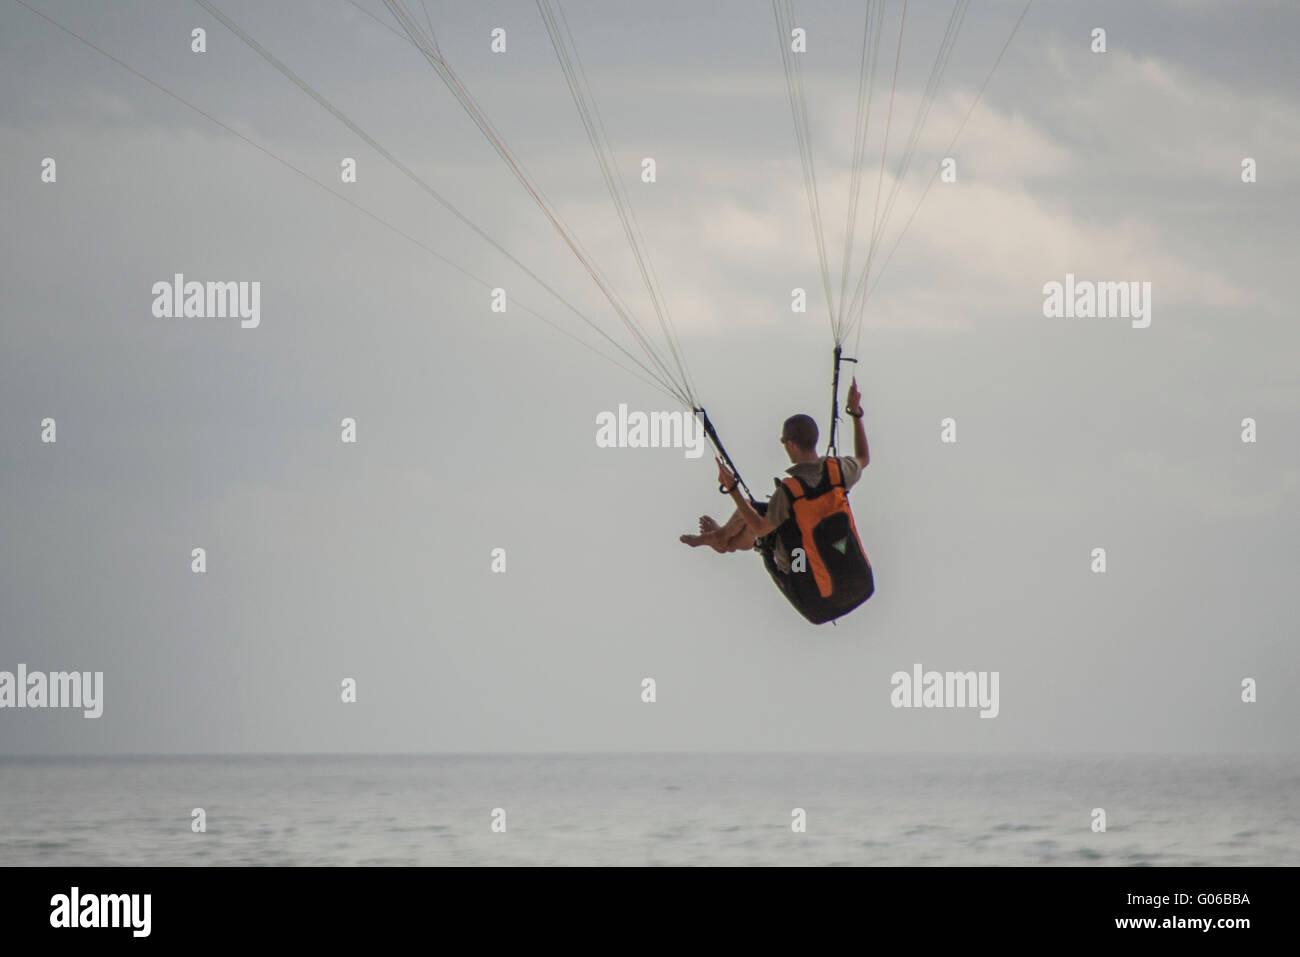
x,y
652,809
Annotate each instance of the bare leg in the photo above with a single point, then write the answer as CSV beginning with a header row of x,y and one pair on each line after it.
x,y
736,535
732,537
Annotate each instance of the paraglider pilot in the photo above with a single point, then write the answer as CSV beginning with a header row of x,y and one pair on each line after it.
x,y
748,524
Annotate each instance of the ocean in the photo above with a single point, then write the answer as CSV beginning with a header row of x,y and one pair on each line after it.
x,y
654,809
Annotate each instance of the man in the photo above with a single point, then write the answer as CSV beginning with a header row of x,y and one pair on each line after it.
x,y
799,439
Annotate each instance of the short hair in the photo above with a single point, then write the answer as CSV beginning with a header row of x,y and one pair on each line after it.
x,y
802,431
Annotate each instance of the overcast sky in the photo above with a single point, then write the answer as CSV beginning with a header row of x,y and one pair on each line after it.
x,y
477,430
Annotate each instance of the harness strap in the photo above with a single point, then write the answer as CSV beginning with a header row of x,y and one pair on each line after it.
x,y
831,448
722,451
795,487
833,471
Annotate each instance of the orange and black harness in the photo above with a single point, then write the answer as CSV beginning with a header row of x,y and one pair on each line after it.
x,y
830,573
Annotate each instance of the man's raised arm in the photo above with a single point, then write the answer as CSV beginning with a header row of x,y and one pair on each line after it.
x,y
853,406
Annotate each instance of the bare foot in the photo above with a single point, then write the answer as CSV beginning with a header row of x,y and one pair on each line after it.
x,y
708,525
712,539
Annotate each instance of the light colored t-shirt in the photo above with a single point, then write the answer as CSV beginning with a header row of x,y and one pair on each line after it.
x,y
778,507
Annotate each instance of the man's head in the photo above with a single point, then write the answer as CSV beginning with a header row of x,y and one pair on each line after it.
x,y
799,436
